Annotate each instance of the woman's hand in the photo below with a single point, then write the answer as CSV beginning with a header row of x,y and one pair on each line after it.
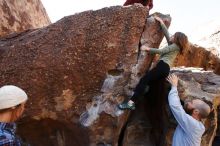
x,y
173,79
145,48
158,19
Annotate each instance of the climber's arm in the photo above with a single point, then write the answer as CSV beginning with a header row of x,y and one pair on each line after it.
x,y
164,50
164,29
166,32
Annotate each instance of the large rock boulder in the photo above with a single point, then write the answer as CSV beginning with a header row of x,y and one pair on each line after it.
x,y
17,16
198,56
78,69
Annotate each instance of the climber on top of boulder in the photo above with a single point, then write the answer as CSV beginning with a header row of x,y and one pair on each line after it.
x,y
176,44
147,3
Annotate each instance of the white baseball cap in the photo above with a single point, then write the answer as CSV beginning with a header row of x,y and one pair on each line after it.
x,y
11,96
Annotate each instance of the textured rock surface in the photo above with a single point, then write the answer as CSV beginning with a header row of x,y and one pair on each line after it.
x,y
17,16
77,70
201,57
63,67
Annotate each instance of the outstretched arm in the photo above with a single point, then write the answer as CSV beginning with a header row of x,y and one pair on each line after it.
x,y
186,121
164,29
164,50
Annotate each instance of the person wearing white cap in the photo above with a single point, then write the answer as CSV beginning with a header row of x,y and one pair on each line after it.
x,y
12,103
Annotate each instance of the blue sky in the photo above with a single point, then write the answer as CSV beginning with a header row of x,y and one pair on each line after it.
x,y
186,14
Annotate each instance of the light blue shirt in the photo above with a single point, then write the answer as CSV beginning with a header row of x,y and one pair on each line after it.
x,y
189,130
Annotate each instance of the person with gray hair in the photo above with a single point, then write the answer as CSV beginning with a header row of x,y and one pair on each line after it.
x,y
190,128
12,103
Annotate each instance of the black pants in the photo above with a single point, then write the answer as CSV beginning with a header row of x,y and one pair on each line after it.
x,y
161,71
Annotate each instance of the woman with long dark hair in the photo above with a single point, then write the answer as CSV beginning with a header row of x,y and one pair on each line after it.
x,y
176,44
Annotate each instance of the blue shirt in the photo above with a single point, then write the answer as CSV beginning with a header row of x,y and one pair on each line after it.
x,y
7,135
189,130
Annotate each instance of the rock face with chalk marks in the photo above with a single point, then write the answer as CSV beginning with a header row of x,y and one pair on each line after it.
x,y
77,70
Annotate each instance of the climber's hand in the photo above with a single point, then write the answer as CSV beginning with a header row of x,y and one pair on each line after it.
x,y
173,79
158,19
145,48
148,7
